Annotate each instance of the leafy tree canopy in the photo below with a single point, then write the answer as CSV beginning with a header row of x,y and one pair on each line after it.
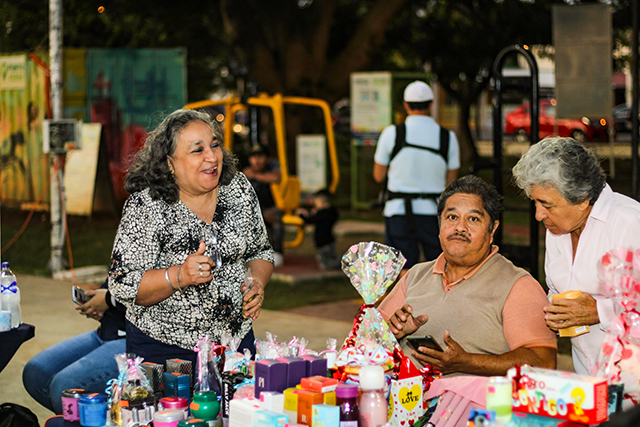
x,y
306,47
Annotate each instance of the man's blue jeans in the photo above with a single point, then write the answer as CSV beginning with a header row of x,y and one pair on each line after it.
x,y
397,235
84,361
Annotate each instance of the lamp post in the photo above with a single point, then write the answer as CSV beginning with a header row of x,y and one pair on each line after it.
x,y
57,157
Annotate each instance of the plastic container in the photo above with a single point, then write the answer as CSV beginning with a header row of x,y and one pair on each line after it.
x,y
70,410
10,294
93,410
347,400
168,418
176,403
5,320
194,422
205,405
372,403
499,391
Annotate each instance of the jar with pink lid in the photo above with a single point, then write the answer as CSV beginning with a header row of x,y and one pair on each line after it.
x,y
176,403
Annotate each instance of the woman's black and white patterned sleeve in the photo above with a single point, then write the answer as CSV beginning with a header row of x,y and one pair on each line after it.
x,y
137,246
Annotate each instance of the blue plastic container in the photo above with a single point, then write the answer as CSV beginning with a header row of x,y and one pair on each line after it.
x,y
93,410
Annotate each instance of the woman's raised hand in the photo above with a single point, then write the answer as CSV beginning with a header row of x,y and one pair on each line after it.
x,y
197,268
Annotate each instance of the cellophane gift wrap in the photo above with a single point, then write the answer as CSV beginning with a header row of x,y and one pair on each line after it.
x,y
619,358
372,267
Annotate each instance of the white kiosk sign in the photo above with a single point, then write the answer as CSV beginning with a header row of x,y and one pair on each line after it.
x,y
370,105
312,162
13,72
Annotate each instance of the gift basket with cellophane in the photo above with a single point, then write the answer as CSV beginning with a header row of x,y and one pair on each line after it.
x,y
619,358
371,267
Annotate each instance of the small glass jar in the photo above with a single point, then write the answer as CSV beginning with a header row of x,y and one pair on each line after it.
x,y
70,398
347,400
205,405
93,410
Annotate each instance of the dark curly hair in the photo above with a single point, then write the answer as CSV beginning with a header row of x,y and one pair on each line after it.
x,y
150,169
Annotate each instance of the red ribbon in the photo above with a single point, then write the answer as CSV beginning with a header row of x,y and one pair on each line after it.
x,y
406,369
351,339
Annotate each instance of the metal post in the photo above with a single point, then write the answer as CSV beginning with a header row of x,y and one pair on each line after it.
x,y
56,263
534,108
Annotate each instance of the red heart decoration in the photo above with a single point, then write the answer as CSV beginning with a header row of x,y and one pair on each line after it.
x,y
411,422
402,422
607,348
626,354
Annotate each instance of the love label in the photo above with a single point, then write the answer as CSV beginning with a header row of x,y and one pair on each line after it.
x,y
409,398
405,402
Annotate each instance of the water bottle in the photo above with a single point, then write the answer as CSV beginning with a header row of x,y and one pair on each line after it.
x,y
373,403
10,294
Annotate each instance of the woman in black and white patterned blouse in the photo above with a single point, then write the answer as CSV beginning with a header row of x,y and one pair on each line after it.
x,y
189,231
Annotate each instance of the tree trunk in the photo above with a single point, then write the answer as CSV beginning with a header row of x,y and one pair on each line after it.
x,y
468,151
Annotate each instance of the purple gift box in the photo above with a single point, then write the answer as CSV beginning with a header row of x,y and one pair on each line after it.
x,y
271,375
316,365
296,369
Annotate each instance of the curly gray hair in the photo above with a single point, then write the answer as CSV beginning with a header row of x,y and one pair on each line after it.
x,y
150,169
564,164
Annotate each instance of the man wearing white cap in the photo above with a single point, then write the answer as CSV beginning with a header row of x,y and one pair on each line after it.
x,y
417,158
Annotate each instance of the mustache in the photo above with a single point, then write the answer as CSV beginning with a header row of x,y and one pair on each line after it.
x,y
461,235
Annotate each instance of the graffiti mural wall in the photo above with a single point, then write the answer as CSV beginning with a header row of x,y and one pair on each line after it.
x,y
128,91
24,171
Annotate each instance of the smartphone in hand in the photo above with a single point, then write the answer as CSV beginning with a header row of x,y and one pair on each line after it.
x,y
426,341
78,295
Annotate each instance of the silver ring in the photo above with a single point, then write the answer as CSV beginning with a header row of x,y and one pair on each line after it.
x,y
201,275
200,267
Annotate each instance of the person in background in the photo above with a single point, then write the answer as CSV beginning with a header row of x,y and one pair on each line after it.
x,y
86,361
191,257
584,219
262,172
416,159
324,215
486,313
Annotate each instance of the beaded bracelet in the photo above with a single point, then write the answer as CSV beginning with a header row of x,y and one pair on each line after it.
x,y
178,279
166,277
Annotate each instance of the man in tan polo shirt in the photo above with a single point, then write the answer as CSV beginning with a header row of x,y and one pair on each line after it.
x,y
485,313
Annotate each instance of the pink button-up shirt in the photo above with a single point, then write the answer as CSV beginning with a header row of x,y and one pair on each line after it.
x,y
613,222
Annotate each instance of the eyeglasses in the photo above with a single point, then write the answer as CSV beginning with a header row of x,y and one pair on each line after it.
x,y
210,238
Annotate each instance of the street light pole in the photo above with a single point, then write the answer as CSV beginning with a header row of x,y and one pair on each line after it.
x,y
56,263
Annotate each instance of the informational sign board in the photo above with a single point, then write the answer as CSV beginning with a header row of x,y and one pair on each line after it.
x,y
582,38
13,72
312,162
80,171
371,105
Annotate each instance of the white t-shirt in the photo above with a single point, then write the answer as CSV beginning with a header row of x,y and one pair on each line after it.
x,y
414,170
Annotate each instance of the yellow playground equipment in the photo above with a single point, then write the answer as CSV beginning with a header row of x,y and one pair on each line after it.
x,y
286,193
